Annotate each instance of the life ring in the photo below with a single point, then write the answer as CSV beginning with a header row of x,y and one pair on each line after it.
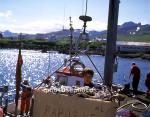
x,y
73,66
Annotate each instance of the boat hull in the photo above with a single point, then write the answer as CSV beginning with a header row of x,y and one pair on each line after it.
x,y
57,105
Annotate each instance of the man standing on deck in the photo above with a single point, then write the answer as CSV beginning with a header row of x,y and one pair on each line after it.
x,y
135,71
25,97
147,82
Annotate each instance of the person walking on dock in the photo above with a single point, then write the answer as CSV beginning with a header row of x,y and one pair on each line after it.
x,y
135,71
147,82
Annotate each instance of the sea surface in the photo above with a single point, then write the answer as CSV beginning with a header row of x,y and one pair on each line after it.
x,y
37,66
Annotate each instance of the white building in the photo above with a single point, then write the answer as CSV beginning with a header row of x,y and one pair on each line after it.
x,y
133,46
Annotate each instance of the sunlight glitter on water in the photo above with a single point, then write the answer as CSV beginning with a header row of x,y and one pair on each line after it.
x,y
34,68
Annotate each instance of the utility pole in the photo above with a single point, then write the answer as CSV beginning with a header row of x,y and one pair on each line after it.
x,y
111,41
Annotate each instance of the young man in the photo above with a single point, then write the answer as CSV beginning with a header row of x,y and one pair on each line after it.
x,y
87,76
135,71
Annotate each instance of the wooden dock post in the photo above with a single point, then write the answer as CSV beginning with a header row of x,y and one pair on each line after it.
x,y
111,41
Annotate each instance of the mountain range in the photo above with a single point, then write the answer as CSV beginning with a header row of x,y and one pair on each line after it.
x,y
126,29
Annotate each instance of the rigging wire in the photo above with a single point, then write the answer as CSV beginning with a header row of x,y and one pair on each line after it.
x,y
95,67
82,6
64,15
49,65
86,7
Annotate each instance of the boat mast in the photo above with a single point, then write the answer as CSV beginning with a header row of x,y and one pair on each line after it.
x,y
71,39
111,41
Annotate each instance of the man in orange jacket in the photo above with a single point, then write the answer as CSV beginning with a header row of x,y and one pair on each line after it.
x,y
25,97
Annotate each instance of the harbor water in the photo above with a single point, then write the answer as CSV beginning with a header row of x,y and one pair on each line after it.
x,y
36,66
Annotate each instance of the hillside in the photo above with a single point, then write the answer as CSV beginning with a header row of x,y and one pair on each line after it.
x,y
128,31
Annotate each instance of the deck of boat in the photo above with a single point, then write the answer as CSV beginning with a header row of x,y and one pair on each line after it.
x,y
136,103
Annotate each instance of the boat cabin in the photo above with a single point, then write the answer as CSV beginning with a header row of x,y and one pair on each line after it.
x,y
71,75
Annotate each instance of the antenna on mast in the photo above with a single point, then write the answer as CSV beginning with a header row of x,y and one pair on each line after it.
x,y
84,35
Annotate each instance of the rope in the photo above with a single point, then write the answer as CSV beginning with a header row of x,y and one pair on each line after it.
x,y
137,108
133,105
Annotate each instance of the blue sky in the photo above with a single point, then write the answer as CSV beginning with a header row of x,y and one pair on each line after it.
x,y
35,16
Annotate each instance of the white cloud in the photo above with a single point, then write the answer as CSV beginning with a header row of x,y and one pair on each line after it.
x,y
43,26
7,14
